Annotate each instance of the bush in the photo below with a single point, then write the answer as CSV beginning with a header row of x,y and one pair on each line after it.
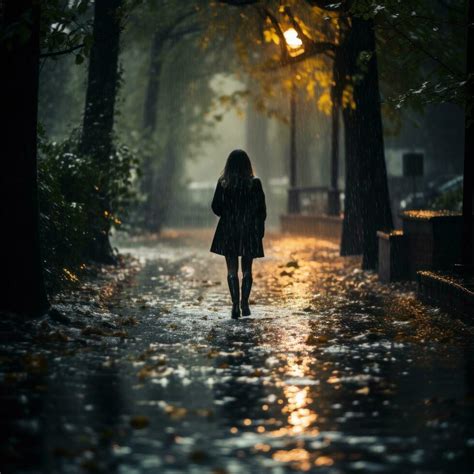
x,y
72,191
451,200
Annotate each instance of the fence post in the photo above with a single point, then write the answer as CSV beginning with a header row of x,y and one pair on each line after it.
x,y
334,207
293,201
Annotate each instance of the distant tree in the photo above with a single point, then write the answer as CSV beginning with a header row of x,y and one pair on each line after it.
x,y
22,285
185,100
169,29
171,26
166,98
99,114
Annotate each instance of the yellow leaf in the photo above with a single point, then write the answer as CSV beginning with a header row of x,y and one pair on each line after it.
x,y
325,102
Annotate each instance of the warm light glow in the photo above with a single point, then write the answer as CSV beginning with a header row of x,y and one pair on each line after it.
x,y
300,417
298,456
292,39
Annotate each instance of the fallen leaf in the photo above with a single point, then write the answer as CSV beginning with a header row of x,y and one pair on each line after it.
x,y
139,422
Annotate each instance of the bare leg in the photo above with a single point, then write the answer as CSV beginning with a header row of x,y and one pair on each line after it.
x,y
233,281
246,284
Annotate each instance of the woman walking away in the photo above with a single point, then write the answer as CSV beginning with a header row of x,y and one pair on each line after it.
x,y
239,201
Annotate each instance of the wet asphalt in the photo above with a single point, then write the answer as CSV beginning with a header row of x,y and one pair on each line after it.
x,y
333,372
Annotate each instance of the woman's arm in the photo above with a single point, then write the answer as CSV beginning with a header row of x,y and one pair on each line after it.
x,y
217,200
261,208
261,205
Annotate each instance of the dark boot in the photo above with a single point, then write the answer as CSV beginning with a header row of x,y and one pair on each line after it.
x,y
233,281
246,287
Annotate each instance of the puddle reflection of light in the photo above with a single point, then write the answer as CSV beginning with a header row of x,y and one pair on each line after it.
x,y
298,456
300,417
296,378
296,401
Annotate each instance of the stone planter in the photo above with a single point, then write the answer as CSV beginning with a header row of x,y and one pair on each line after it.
x,y
433,239
393,261
447,290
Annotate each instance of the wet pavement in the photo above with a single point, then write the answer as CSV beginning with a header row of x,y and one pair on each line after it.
x,y
333,372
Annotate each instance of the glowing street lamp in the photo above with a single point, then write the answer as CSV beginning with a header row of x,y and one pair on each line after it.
x,y
292,39
295,46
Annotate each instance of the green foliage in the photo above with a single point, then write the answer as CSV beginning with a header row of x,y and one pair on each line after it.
x,y
63,220
66,26
451,201
421,47
123,171
72,203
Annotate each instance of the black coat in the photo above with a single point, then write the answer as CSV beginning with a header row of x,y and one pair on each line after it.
x,y
242,213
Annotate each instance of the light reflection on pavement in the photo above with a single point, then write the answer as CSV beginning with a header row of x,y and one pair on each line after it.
x,y
333,372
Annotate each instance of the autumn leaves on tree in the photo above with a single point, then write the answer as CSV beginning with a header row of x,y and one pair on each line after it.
x,y
336,63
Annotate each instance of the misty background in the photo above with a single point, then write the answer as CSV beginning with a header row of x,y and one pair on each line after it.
x,y
206,107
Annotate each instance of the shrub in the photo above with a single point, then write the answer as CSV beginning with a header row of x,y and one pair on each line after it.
x,y
452,200
71,201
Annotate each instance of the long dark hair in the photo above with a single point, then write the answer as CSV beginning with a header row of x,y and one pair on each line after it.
x,y
238,168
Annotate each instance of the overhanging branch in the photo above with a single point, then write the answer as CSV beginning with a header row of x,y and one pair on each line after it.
x,y
61,52
283,49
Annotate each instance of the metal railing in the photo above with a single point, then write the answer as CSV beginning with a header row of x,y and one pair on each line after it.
x,y
314,200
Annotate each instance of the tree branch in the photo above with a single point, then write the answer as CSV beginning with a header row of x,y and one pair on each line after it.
x,y
61,52
188,31
306,40
328,49
311,48
239,3
330,5
283,49
420,47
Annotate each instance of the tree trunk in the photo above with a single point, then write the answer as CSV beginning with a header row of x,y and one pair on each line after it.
x,y
368,205
150,118
22,284
468,184
352,225
150,107
97,132
336,91
165,183
352,234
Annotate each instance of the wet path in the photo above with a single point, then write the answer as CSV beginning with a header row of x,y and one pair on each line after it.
x,y
332,373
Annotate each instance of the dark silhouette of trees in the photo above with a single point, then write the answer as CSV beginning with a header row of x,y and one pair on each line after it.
x,y
150,107
22,285
468,188
336,98
367,200
367,203
162,36
150,117
97,132
166,31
